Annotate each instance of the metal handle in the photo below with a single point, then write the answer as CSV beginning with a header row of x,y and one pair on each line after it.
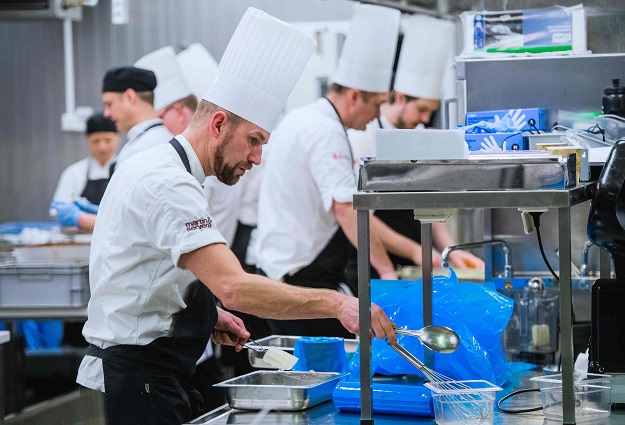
x,y
408,332
408,356
257,347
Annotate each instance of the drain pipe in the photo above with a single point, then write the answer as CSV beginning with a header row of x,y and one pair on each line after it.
x,y
74,119
68,52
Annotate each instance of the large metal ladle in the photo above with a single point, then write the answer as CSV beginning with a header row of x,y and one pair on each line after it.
x,y
437,338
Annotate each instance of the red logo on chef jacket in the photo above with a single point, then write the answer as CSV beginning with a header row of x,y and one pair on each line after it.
x,y
337,155
202,223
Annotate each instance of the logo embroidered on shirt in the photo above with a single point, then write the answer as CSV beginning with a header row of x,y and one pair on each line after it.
x,y
202,223
337,155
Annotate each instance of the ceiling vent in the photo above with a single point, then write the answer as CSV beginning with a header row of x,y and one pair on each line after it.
x,y
42,9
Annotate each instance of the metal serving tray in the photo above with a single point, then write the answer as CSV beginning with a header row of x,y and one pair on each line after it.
x,y
280,390
286,343
457,175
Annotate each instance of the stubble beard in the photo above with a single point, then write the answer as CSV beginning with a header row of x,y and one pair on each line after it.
x,y
223,172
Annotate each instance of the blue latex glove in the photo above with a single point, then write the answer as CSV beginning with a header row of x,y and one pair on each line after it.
x,y
86,206
66,214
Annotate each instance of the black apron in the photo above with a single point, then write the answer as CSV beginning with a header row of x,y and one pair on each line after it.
x,y
404,223
148,384
326,271
94,189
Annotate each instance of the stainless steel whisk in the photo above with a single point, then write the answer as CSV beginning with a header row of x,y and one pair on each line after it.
x,y
466,407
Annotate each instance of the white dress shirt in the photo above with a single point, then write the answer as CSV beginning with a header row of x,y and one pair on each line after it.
x,y
153,212
74,179
142,137
310,166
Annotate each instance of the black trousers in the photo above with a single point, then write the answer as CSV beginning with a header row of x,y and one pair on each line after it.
x,y
156,399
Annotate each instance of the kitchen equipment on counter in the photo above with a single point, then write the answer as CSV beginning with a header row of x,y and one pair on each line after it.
x,y
464,275
592,396
504,246
273,356
280,390
606,228
395,399
437,338
321,354
613,101
509,172
456,402
532,332
287,343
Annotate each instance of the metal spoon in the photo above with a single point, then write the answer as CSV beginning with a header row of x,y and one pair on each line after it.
x,y
437,338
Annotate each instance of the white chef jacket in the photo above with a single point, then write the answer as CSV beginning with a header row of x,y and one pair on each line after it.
x,y
225,201
153,212
310,166
142,137
363,142
74,179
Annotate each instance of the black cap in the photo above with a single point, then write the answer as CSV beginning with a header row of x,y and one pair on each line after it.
x,y
98,122
128,77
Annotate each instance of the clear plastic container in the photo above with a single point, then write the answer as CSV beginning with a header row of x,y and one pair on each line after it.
x,y
592,396
463,402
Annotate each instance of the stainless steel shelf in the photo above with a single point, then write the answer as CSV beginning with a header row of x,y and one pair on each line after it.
x,y
43,313
560,199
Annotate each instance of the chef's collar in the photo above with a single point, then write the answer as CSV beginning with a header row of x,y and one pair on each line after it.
x,y
141,127
194,161
337,114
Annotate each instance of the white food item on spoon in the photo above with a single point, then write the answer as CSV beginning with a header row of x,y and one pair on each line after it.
x,y
279,358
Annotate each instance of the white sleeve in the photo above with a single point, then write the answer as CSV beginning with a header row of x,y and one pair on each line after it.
x,y
330,163
177,220
70,184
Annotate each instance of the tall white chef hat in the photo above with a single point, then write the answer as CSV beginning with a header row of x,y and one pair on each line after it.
x,y
366,61
198,67
170,83
424,54
260,67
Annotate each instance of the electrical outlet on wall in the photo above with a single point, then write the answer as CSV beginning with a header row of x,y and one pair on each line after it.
x,y
119,12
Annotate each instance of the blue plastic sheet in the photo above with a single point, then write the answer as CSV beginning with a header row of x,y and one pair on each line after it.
x,y
477,312
321,354
396,399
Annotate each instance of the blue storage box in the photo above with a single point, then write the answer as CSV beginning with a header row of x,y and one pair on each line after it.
x,y
395,399
539,115
513,141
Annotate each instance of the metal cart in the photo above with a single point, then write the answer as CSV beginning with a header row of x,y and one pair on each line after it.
x,y
534,199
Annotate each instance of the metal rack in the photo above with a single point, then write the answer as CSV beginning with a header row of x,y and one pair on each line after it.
x,y
561,199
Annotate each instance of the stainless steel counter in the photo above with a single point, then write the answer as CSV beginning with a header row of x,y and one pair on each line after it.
x,y
327,414
439,203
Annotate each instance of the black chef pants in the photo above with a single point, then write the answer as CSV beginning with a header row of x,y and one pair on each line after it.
x,y
154,399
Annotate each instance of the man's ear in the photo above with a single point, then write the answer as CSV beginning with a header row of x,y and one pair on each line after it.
x,y
130,95
218,123
354,95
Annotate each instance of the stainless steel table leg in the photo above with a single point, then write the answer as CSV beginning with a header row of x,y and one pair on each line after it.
x,y
364,298
566,314
426,267
604,264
